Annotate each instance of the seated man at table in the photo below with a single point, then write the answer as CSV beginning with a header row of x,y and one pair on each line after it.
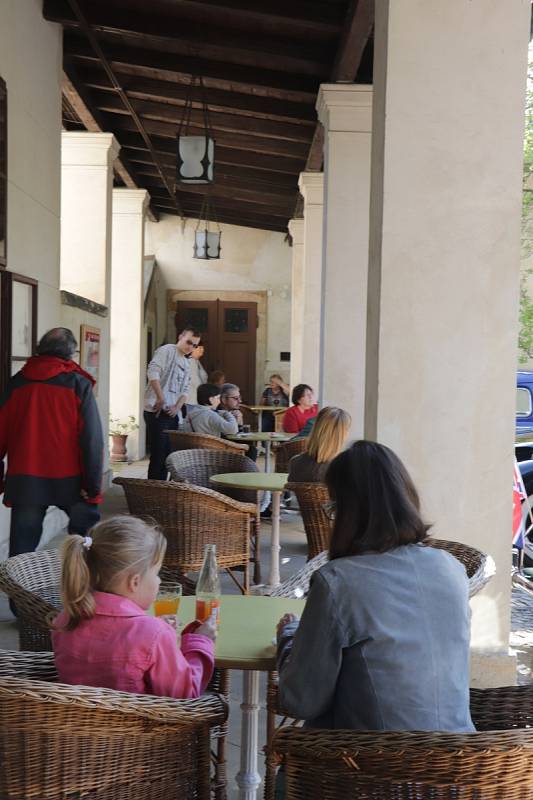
x,y
203,418
230,400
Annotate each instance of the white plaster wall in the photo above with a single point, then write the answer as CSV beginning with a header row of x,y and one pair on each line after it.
x,y
251,261
30,63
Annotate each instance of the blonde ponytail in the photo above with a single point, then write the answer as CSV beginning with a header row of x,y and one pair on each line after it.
x,y
76,594
116,546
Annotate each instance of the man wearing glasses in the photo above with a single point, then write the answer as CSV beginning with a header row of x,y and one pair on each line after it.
x,y
230,400
169,377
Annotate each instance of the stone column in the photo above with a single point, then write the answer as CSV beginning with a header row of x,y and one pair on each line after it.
x,y
345,111
296,229
312,189
444,274
86,186
128,345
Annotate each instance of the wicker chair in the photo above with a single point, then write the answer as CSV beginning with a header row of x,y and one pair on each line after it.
x,y
479,568
311,498
191,517
279,415
38,600
392,765
285,451
197,466
72,741
180,440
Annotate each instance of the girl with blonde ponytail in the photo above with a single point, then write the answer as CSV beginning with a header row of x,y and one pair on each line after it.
x,y
103,637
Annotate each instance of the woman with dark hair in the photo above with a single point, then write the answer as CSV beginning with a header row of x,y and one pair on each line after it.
x,y
303,409
383,643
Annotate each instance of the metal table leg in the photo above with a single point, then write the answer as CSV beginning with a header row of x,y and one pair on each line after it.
x,y
248,778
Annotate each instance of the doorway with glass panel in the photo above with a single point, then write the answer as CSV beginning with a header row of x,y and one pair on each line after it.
x,y
228,330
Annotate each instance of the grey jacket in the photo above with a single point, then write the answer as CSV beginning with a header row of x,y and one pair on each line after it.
x,y
203,419
383,644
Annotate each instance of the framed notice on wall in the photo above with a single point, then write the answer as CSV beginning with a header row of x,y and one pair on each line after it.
x,y
90,351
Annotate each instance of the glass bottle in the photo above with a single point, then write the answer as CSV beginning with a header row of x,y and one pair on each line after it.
x,y
208,587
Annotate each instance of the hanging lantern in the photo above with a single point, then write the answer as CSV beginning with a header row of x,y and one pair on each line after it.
x,y
207,236
195,153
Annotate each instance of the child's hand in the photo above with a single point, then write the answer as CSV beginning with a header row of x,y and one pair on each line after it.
x,y
285,620
208,628
171,620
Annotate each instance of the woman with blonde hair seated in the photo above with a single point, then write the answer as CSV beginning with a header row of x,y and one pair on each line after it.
x,y
325,441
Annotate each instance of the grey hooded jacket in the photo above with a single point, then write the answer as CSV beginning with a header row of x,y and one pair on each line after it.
x,y
383,644
203,419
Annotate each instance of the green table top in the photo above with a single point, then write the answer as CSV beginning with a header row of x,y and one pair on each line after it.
x,y
260,436
262,481
262,408
247,627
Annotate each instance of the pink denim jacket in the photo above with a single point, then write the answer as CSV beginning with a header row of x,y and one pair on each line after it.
x,y
123,648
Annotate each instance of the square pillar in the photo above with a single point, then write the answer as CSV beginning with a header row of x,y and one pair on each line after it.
x,y
345,111
296,230
444,274
312,190
128,345
86,186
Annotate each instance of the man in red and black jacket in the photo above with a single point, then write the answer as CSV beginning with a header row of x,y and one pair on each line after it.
x,y
51,432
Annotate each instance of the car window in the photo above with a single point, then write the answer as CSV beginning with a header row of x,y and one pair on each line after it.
x,y
523,402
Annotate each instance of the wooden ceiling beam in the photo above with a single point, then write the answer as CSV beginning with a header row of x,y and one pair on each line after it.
x,y
263,223
280,183
183,38
121,165
193,201
234,190
225,155
95,46
173,93
236,141
287,86
231,123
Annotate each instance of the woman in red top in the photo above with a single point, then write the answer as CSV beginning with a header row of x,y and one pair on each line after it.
x,y
303,409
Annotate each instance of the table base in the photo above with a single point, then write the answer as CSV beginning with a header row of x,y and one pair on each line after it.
x,y
248,778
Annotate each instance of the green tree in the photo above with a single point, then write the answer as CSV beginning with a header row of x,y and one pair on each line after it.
x,y
525,335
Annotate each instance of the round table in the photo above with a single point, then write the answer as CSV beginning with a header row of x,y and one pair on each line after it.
x,y
261,481
244,642
261,436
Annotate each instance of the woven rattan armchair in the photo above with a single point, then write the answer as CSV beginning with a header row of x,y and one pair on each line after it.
x,y
181,440
279,415
496,765
311,498
285,451
479,568
31,581
191,517
59,741
197,467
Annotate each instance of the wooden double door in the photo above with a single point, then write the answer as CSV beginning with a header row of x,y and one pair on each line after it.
x,y
228,330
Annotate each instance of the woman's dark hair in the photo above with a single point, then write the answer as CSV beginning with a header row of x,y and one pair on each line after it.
x,y
205,392
298,392
377,505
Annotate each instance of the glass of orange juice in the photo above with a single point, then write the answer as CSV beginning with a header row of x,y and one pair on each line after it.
x,y
168,599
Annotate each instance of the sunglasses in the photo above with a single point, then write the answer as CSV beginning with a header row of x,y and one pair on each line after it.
x,y
233,397
192,344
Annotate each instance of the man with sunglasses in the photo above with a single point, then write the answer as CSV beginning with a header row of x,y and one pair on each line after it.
x,y
169,377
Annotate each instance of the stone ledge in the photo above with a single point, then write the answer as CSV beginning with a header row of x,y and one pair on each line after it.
x,y
69,299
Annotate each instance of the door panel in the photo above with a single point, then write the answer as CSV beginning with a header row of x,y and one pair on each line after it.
x,y
228,332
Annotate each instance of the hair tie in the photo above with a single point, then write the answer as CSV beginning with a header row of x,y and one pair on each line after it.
x,y
87,542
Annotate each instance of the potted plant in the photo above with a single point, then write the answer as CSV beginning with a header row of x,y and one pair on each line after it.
x,y
119,430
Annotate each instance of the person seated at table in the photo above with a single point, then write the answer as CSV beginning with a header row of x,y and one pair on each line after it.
x,y
203,417
230,400
277,395
383,643
217,377
104,637
303,409
325,441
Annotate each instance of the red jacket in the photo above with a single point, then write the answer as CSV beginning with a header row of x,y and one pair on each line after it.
x,y
50,430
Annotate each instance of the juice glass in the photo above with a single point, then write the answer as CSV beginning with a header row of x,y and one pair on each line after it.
x,y
168,599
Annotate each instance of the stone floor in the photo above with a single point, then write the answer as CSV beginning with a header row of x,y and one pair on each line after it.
x,y
293,556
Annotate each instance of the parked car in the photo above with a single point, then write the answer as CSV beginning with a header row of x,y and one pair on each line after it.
x,y
524,448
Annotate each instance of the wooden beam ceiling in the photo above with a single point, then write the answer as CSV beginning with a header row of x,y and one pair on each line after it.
x,y
262,62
